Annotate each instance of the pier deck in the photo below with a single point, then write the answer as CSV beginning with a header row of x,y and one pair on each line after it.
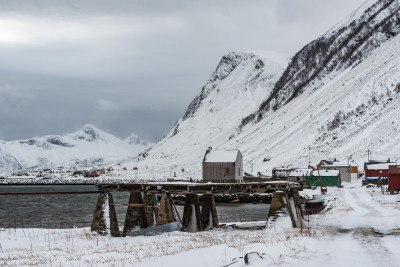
x,y
201,188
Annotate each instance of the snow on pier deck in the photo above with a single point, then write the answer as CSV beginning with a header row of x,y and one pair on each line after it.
x,y
202,188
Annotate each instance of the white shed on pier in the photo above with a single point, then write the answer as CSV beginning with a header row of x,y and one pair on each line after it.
x,y
223,166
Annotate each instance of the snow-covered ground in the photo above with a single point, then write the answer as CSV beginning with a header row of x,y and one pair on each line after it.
x,y
360,227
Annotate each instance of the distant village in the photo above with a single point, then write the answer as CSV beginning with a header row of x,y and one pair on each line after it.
x,y
70,173
226,166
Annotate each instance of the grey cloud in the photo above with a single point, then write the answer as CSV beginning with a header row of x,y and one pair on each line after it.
x,y
148,58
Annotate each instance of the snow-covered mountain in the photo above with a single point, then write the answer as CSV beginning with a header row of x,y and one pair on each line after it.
x,y
345,45
86,147
338,97
235,89
342,116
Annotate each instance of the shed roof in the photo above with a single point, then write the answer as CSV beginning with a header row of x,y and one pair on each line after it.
x,y
326,173
311,172
301,172
380,166
221,155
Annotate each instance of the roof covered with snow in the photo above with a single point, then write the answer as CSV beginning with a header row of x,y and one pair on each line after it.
x,y
301,172
221,155
326,173
311,172
380,166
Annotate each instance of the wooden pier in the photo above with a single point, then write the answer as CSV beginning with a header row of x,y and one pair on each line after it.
x,y
143,211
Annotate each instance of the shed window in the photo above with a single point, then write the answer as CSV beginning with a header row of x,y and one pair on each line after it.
x,y
226,171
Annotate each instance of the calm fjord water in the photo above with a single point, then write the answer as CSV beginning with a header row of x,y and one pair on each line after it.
x,y
64,211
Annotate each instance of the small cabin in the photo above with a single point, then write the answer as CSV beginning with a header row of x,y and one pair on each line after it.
x,y
323,178
299,175
378,171
223,166
348,170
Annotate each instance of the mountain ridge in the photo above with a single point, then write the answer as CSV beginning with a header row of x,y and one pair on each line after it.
x,y
85,147
340,47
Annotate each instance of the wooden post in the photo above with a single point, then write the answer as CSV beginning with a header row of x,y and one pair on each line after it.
x,y
165,212
290,210
191,221
151,212
209,208
277,205
105,218
176,210
297,204
135,216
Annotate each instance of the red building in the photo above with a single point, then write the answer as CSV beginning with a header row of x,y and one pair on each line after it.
x,y
394,178
375,171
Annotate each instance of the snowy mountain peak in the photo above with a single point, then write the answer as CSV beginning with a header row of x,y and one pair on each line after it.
x,y
133,139
89,133
226,66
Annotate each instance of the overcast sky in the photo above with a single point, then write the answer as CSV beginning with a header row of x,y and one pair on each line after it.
x,y
134,65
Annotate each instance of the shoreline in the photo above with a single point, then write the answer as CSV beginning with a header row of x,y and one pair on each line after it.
x,y
63,181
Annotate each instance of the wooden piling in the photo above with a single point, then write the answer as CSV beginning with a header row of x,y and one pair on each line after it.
x,y
105,218
208,210
176,210
191,221
135,216
297,204
151,210
165,212
277,206
289,205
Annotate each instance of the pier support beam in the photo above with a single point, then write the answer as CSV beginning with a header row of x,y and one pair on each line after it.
x,y
209,216
150,199
290,208
297,204
191,221
104,218
135,216
165,211
284,203
277,207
